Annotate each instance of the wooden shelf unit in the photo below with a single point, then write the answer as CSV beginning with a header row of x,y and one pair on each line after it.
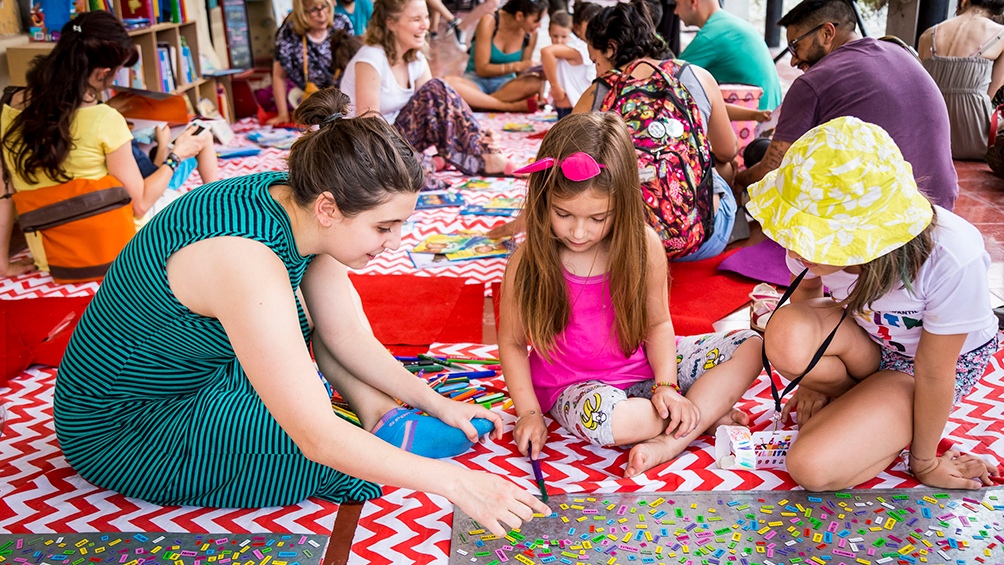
x,y
20,57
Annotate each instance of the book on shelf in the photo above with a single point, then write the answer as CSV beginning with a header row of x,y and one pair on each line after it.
x,y
168,56
189,72
136,12
132,77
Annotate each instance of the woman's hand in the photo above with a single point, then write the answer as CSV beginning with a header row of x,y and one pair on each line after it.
x,y
530,430
493,501
460,414
17,267
278,120
682,413
954,470
805,402
163,135
189,144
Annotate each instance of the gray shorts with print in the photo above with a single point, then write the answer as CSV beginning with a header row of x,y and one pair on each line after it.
x,y
585,409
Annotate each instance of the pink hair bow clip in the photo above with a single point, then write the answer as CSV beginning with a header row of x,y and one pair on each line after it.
x,y
576,167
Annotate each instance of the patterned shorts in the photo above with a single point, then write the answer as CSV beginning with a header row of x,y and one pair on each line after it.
x,y
585,408
968,370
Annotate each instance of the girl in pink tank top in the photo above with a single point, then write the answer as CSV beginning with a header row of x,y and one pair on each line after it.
x,y
587,292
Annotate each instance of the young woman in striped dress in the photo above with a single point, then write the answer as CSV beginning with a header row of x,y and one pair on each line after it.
x,y
189,380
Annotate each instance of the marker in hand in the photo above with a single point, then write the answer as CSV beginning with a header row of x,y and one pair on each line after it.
x,y
536,471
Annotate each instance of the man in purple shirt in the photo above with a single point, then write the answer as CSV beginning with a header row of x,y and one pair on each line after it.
x,y
876,81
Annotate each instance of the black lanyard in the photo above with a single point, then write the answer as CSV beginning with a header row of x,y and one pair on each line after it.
x,y
815,358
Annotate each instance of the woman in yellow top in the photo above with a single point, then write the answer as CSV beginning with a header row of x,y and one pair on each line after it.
x,y
56,130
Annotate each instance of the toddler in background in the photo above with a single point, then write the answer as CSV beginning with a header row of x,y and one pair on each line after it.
x,y
588,291
566,63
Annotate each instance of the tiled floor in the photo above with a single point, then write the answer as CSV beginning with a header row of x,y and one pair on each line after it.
x,y
981,201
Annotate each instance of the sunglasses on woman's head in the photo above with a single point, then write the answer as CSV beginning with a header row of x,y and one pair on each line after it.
x,y
576,167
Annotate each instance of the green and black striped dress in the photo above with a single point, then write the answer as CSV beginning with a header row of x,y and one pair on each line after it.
x,y
150,399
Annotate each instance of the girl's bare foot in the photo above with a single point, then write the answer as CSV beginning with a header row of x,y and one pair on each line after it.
x,y
654,452
663,448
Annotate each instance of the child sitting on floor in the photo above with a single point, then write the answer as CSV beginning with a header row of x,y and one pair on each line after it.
x,y
588,290
909,320
201,141
566,61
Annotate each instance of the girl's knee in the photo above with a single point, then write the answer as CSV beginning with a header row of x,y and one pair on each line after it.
x,y
791,339
812,468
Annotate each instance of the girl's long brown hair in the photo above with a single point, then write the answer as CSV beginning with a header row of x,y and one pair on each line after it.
x,y
38,140
541,297
896,268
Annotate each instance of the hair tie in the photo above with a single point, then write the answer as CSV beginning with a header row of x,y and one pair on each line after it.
x,y
77,29
332,118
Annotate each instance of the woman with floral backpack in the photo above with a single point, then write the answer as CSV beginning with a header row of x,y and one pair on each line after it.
x,y
680,126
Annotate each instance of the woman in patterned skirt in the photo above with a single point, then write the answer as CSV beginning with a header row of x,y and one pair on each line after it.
x,y
390,75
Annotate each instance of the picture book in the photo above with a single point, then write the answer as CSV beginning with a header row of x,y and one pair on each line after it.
x,y
439,250
498,206
482,247
517,126
439,199
474,184
443,243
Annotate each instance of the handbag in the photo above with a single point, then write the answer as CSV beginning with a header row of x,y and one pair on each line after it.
x,y
83,223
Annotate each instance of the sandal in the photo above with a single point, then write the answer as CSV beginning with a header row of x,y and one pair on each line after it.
x,y
764,301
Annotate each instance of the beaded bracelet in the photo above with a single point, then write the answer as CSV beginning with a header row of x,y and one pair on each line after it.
x,y
673,386
172,161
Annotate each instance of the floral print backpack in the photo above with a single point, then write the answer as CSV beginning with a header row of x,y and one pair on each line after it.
x,y
674,156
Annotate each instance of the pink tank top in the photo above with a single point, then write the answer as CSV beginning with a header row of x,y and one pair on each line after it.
x,y
588,349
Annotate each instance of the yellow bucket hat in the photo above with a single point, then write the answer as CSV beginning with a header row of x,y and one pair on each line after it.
x,y
842,196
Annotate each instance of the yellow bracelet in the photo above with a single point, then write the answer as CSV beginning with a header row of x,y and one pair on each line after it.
x,y
673,386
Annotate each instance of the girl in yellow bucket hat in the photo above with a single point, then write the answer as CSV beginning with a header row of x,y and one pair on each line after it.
x,y
912,279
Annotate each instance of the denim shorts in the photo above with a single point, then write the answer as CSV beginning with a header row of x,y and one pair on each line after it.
x,y
725,219
489,85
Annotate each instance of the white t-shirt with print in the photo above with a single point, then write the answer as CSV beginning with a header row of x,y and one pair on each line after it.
x,y
393,96
950,296
575,79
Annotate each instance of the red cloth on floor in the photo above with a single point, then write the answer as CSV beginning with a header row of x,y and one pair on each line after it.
x,y
36,331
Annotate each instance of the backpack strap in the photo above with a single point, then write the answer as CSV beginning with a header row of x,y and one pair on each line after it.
x,y
8,95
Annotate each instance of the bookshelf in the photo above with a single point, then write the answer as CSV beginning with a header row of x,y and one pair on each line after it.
x,y
153,67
